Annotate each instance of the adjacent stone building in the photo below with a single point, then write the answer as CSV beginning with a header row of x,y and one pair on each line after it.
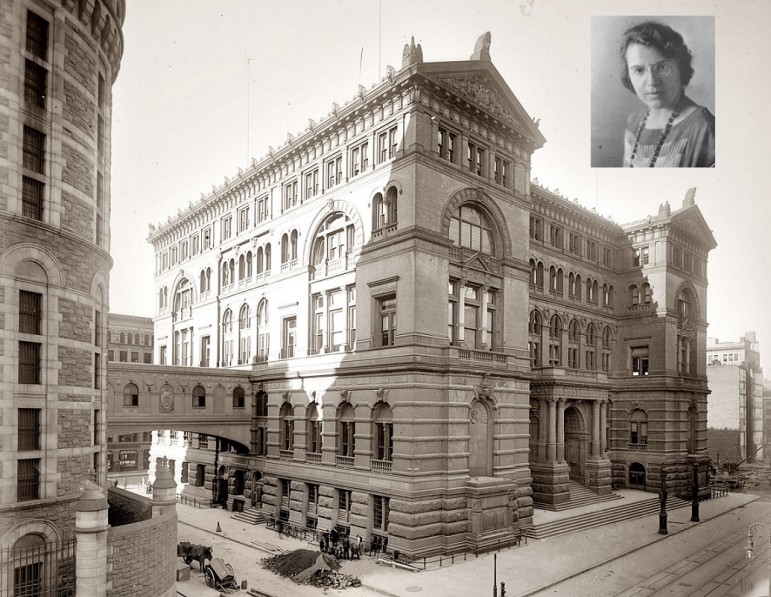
x,y
435,343
736,424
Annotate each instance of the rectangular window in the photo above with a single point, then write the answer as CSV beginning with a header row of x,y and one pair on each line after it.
x,y
289,337
135,357
476,159
334,171
639,361
312,183
29,362
336,320
262,209
385,434
290,194
502,170
97,370
386,145
29,312
34,150
162,356
147,357
206,239
574,243
387,319
37,35
111,355
359,159
347,429
644,256
226,229
607,257
127,460
555,236
446,142
536,228
243,219
35,81
381,512
28,480
32,198
29,429
97,327
591,250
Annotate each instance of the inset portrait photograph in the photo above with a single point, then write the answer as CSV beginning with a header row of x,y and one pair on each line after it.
x,y
653,92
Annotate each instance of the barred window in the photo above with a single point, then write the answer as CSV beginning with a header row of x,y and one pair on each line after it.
x,y
29,312
34,150
37,35
381,512
29,362
35,77
32,198
29,429
28,480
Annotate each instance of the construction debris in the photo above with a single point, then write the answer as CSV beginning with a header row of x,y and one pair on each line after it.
x,y
305,566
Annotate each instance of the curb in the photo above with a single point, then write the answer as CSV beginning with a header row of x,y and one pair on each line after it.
x,y
631,551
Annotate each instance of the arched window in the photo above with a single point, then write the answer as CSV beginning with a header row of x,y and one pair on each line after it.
x,y
638,428
146,340
578,287
534,341
595,291
606,339
383,432
574,337
202,285
286,424
182,300
391,210
591,347
130,395
552,279
225,274
227,338
238,397
555,340
346,431
471,228
260,261
232,270
285,249
533,273
379,215
244,337
267,257
314,428
249,264
227,321
122,338
263,336
647,294
634,296
560,280
571,284
293,245
199,397
241,267
129,338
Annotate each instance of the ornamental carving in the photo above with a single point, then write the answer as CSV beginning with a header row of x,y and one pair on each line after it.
x,y
478,413
345,395
167,398
478,89
382,394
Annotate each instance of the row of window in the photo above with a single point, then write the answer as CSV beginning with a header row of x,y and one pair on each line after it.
x,y
574,336
576,244
198,396
129,356
476,158
589,291
359,157
133,338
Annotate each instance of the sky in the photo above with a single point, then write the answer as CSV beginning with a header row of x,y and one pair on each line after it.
x,y
206,85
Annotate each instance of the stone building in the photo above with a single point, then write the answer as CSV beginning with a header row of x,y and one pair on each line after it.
x,y
434,342
130,338
58,60
736,424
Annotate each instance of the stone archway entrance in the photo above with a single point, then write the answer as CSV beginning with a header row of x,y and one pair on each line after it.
x,y
636,476
576,443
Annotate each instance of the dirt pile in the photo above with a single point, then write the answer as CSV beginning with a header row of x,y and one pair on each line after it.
x,y
306,566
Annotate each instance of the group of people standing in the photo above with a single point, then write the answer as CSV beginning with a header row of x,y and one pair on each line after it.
x,y
341,546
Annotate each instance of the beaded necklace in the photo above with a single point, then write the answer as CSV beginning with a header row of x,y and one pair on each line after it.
x,y
659,145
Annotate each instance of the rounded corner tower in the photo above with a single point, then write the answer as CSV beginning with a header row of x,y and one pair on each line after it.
x,y
58,61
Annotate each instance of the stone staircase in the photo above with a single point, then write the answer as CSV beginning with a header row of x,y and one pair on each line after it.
x,y
250,516
599,517
579,496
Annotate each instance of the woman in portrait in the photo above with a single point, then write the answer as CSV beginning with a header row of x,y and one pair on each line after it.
x,y
668,129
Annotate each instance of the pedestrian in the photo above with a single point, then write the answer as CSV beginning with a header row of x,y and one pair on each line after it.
x,y
322,543
346,547
335,536
359,546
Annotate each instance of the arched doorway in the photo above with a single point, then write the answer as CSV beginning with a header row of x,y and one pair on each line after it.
x,y
576,443
480,459
636,476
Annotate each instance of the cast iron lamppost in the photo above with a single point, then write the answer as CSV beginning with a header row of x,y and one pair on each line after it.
x,y
663,501
751,547
695,494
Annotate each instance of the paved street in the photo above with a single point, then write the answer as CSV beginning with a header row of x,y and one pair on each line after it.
x,y
627,559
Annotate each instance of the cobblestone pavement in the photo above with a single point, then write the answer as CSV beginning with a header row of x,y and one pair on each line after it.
x,y
608,560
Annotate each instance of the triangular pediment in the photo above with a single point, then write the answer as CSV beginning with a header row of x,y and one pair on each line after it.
x,y
692,221
479,262
480,83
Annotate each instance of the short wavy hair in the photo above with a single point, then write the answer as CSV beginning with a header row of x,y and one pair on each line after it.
x,y
662,38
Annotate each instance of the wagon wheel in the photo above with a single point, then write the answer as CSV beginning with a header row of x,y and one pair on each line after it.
x,y
210,580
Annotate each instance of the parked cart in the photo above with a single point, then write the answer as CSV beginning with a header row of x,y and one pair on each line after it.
x,y
220,575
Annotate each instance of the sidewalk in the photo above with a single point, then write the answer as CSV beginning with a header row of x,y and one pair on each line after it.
x,y
526,570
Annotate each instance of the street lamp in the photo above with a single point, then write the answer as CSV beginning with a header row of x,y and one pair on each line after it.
x,y
751,547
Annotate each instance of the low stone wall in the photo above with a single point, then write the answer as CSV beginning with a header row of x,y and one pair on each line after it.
x,y
127,507
141,557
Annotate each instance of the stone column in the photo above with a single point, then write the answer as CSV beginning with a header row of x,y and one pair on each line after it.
x,y
91,533
560,430
551,447
543,421
164,490
596,428
603,426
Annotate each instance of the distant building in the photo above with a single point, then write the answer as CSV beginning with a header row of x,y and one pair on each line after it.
x,y
735,411
131,338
